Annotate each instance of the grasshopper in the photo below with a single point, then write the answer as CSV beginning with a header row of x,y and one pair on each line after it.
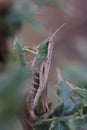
x,y
41,66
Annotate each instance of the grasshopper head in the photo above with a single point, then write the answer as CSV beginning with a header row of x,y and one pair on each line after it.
x,y
42,51
44,46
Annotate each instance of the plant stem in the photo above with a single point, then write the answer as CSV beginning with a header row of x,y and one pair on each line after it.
x,y
62,118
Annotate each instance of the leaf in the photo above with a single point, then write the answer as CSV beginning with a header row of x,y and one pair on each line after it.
x,y
20,51
77,123
82,84
65,95
84,109
58,110
82,93
56,125
43,127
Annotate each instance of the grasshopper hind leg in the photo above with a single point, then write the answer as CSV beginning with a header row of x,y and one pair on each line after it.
x,y
45,101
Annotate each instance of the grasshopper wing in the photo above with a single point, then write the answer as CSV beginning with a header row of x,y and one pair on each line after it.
x,y
44,71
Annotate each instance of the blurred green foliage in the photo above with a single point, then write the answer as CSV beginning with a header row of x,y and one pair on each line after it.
x,y
12,79
19,50
75,72
11,94
70,112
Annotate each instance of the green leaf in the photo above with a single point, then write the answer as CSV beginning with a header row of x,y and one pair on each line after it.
x,y
84,109
56,125
58,110
44,127
65,95
77,123
82,93
82,84
20,51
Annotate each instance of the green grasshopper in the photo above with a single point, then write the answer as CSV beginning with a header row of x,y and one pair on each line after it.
x,y
41,65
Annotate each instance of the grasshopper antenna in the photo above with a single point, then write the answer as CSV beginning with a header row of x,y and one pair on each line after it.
x,y
57,31
49,34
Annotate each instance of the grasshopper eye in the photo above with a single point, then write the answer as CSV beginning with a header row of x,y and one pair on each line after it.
x,y
47,43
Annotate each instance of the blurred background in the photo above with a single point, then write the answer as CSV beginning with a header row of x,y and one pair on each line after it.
x,y
31,21
70,42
